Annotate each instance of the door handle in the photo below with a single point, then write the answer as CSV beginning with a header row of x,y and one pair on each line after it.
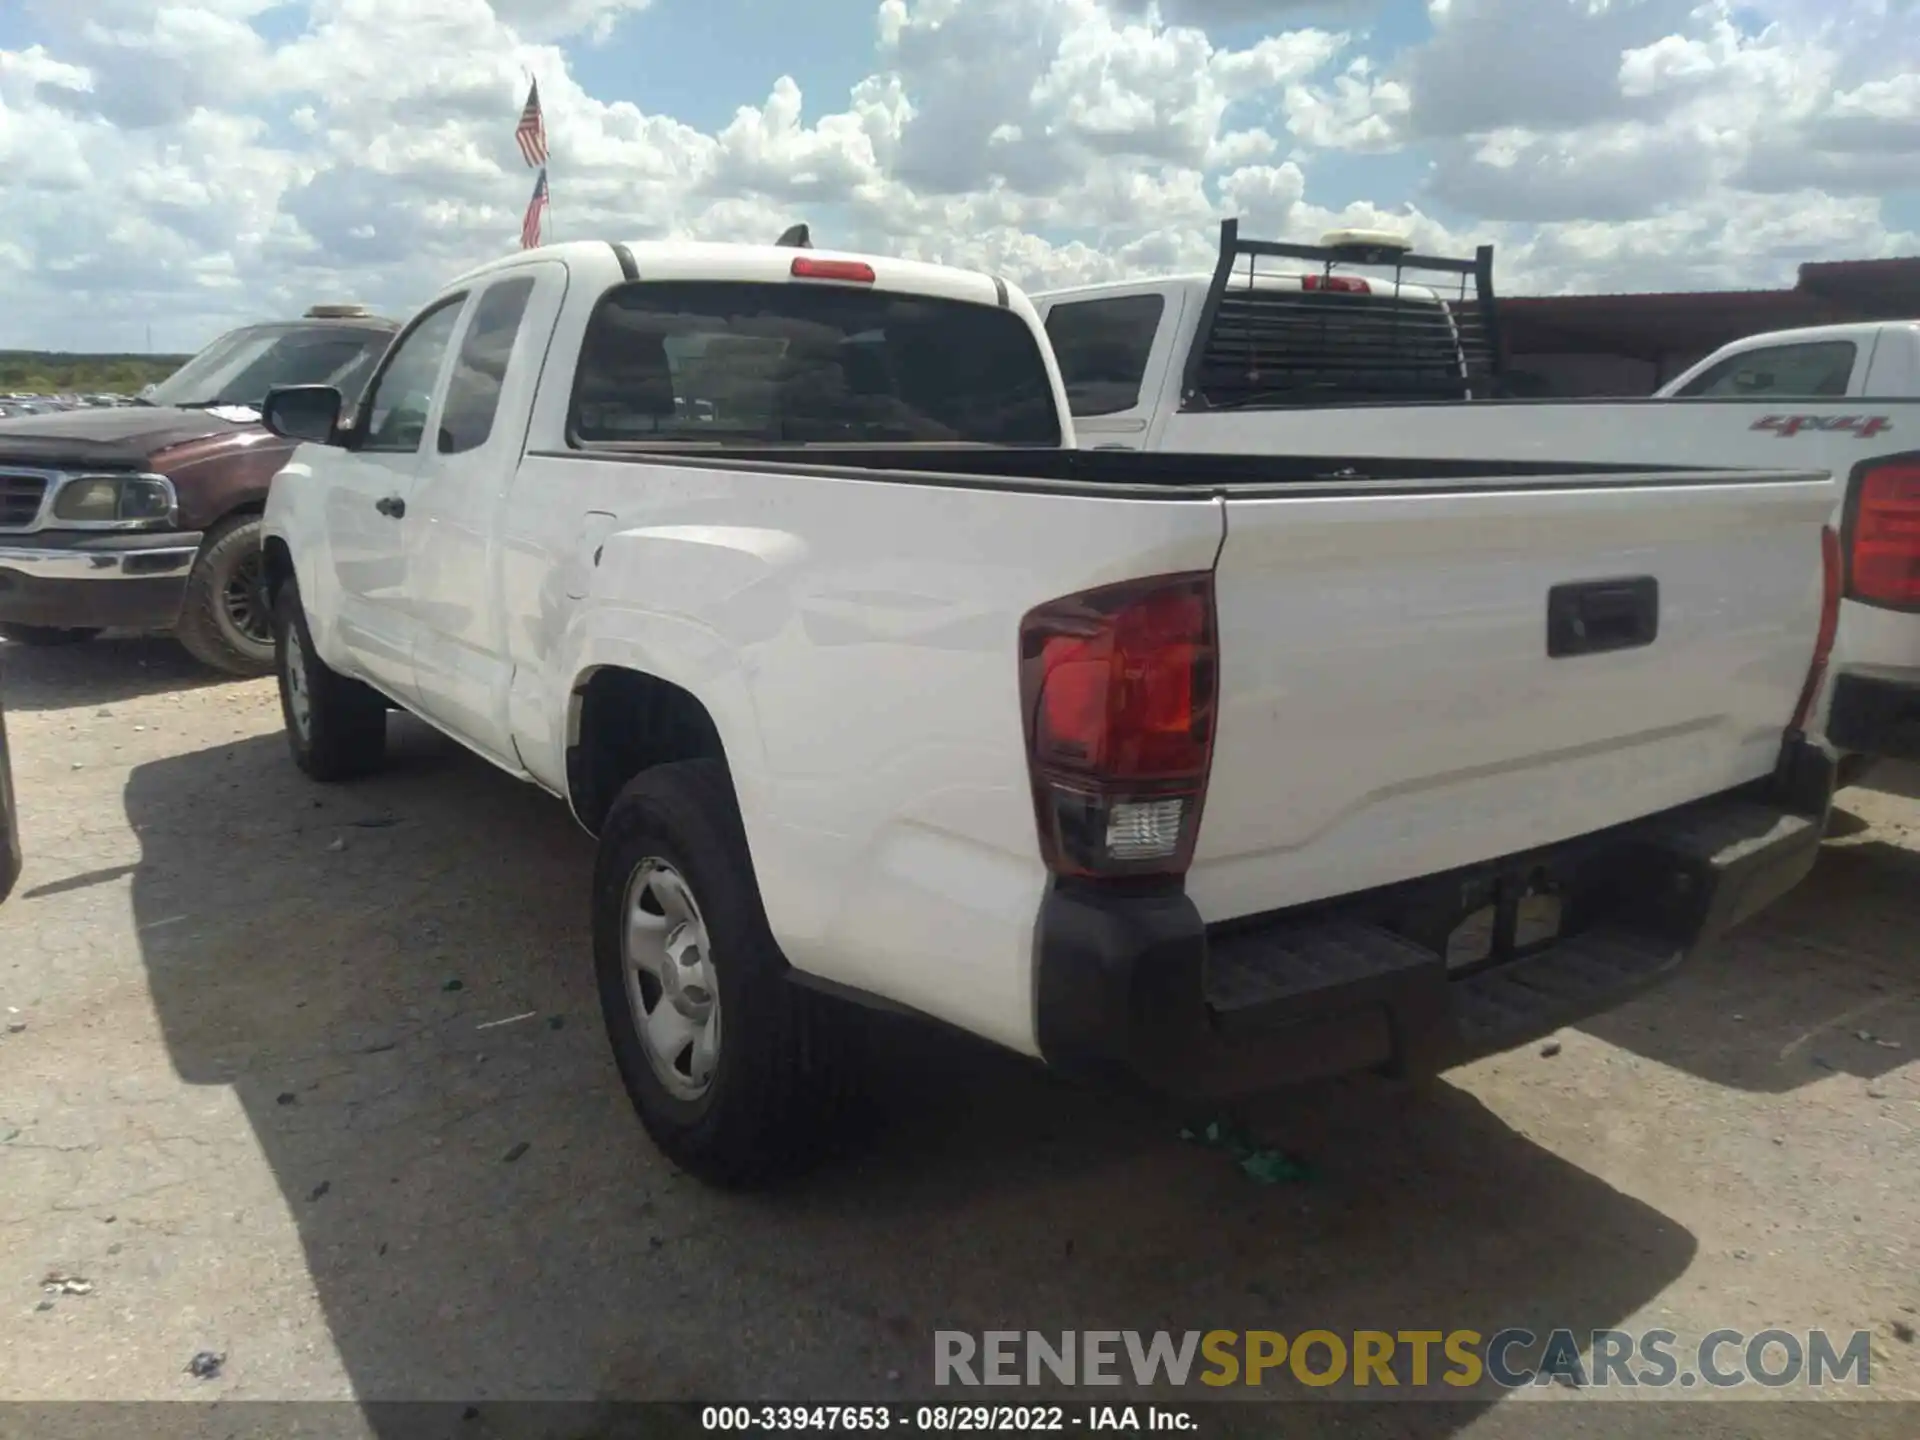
x,y
1602,615
391,506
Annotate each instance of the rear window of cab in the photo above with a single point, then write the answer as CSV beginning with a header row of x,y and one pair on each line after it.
x,y
736,362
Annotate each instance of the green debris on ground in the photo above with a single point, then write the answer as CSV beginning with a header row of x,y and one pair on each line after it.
x,y
1263,1164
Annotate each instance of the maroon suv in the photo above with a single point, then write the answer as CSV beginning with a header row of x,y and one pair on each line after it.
x,y
147,516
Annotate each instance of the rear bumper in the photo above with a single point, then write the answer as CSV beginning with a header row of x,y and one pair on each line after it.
x,y
87,581
1877,717
1136,989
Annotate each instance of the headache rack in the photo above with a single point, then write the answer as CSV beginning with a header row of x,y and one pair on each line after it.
x,y
1339,337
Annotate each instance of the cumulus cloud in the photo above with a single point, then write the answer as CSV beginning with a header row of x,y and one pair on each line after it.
x,y
1238,12
196,163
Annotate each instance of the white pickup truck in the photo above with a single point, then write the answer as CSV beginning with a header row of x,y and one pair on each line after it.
x,y
1325,361
1213,772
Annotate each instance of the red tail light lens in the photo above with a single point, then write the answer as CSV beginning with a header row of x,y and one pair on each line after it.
x,y
1830,588
858,271
1343,284
1118,687
1886,537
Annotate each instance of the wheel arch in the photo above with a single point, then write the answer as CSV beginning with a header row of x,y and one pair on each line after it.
x,y
253,508
622,721
276,558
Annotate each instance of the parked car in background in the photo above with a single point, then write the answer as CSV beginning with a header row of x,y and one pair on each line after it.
x,y
147,516
1209,772
1311,358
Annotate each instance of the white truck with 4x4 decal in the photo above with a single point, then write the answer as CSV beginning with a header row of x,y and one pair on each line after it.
x,y
1215,772
1315,359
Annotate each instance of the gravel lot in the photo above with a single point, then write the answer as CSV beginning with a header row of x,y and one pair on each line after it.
x,y
273,1052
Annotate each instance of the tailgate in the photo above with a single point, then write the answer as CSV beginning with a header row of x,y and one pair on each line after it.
x,y
1390,708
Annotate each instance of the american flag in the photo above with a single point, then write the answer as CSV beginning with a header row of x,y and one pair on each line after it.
x,y
536,210
532,129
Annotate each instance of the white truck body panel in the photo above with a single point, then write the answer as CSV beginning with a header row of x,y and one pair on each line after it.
x,y
853,642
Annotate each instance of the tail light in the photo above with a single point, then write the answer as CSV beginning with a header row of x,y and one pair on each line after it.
x,y
1830,587
1118,688
1886,537
1343,284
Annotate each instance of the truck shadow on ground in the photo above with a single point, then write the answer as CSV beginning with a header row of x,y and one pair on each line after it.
x,y
1824,982
392,977
104,671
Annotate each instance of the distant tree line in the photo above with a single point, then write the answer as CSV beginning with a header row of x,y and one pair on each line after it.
x,y
53,372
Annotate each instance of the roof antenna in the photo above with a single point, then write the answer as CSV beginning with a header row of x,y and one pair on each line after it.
x,y
795,237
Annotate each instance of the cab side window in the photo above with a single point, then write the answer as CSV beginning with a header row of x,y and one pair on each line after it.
x,y
480,370
1102,348
1816,371
402,396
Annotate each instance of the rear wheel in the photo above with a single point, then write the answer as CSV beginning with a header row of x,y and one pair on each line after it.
x,y
336,727
226,619
45,635
735,1071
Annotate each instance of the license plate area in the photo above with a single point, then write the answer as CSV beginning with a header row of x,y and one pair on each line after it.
x,y
1522,916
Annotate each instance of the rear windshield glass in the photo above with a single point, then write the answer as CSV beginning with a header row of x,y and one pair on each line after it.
x,y
731,362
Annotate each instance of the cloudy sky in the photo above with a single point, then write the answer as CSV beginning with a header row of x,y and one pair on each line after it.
x,y
189,164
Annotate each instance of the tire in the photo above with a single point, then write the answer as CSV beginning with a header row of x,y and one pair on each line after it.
x,y
782,1066
45,636
226,619
336,727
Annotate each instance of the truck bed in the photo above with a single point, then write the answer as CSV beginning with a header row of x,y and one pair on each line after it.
x,y
1391,704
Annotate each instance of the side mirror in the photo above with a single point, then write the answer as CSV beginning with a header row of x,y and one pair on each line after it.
x,y
303,412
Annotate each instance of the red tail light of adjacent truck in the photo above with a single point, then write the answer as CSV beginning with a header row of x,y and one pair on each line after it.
x,y
1118,686
1885,564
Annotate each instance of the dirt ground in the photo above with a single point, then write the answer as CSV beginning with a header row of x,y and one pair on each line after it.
x,y
271,1055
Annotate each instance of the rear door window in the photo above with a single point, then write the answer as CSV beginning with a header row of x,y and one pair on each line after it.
x,y
734,362
1102,348
480,369
1819,370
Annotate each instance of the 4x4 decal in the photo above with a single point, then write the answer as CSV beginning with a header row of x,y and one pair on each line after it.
x,y
1863,426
